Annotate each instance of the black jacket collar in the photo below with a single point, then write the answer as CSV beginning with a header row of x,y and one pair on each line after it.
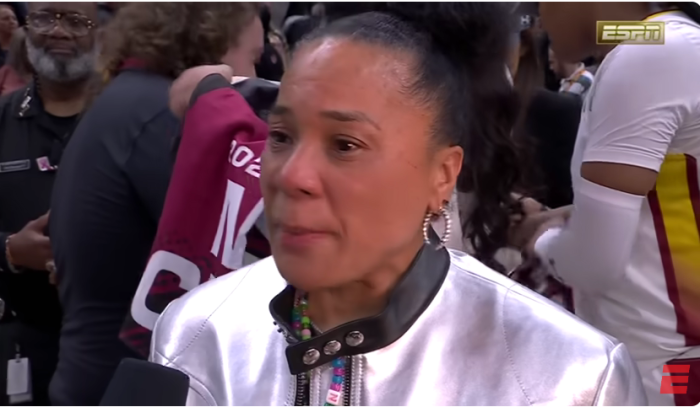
x,y
410,298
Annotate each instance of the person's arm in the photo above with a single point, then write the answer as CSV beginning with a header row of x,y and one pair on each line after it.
x,y
30,248
581,85
150,162
630,128
4,264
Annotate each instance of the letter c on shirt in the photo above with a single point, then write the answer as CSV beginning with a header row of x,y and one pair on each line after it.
x,y
161,260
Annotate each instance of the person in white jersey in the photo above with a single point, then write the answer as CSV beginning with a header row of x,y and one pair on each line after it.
x,y
631,246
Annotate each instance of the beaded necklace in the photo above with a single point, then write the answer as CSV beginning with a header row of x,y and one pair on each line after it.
x,y
301,323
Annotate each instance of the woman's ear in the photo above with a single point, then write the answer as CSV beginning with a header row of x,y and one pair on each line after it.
x,y
448,165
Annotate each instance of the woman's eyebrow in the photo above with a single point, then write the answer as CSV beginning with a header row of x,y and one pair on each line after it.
x,y
280,110
349,116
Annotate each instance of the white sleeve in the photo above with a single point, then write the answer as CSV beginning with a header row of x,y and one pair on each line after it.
x,y
641,96
591,252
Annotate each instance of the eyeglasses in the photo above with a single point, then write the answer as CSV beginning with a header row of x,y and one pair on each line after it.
x,y
45,21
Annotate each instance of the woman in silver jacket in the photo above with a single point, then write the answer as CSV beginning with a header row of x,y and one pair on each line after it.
x,y
360,303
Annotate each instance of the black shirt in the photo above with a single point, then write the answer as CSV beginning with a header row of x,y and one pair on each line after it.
x,y
28,134
104,215
553,119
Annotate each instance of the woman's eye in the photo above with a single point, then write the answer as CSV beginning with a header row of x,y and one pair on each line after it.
x,y
278,137
346,146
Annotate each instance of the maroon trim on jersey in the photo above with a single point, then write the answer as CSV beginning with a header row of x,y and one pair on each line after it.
x,y
691,397
691,166
667,260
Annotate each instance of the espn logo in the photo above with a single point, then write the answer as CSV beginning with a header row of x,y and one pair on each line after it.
x,y
630,32
667,382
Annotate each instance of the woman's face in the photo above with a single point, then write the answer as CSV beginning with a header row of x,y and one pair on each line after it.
x,y
243,56
571,28
8,20
350,168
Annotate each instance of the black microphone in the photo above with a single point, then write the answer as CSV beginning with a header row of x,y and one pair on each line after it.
x,y
140,383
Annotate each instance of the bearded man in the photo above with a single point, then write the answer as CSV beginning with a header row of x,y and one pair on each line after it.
x,y
35,125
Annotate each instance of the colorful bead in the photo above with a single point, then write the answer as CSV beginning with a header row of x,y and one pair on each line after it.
x,y
302,327
333,397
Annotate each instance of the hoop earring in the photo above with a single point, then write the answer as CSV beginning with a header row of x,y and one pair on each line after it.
x,y
427,221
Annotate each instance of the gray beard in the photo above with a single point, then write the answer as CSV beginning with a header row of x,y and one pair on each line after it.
x,y
61,71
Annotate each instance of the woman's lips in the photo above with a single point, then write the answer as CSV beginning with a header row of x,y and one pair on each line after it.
x,y
299,237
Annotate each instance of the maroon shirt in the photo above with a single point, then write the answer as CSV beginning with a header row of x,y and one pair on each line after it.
x,y
213,202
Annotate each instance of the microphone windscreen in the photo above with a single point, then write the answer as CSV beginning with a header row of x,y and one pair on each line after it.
x,y
141,383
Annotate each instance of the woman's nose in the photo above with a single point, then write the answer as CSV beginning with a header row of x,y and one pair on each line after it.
x,y
300,173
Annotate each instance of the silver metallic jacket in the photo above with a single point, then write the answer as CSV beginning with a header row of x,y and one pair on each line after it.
x,y
453,333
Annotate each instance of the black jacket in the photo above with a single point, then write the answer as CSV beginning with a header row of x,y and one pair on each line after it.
x,y
104,214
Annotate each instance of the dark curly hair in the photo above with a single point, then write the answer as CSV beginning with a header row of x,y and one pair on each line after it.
x,y
172,37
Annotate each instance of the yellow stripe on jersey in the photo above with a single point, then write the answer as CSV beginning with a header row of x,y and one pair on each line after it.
x,y
660,13
675,206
